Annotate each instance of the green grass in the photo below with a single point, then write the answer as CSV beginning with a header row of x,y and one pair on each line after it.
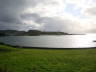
x,y
47,60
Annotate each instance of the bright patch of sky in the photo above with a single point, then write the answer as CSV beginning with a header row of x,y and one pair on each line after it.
x,y
71,8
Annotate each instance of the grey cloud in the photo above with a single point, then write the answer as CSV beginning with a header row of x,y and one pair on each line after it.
x,y
30,16
92,31
91,11
11,16
56,24
10,10
51,23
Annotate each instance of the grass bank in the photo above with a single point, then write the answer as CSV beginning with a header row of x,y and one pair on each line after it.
x,y
46,60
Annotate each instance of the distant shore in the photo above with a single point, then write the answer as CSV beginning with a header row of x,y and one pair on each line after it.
x,y
32,33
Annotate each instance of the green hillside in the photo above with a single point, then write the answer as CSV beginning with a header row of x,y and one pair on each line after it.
x,y
47,60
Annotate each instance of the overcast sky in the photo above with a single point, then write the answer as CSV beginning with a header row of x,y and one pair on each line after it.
x,y
71,16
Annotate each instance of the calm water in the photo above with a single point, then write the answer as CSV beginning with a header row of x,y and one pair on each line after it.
x,y
63,41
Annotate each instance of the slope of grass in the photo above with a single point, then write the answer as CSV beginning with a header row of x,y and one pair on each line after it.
x,y
46,60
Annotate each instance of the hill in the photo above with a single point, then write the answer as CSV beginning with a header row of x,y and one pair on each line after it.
x,y
28,33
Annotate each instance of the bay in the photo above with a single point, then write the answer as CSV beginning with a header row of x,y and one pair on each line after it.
x,y
49,41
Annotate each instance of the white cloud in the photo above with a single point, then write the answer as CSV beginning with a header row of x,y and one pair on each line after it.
x,y
48,8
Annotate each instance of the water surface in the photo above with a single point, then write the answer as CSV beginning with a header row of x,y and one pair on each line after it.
x,y
58,41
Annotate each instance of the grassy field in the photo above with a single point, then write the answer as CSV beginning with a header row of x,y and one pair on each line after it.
x,y
47,60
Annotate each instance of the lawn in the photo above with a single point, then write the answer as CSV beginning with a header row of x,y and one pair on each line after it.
x,y
47,60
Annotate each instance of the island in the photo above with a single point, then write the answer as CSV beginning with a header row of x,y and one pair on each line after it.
x,y
29,33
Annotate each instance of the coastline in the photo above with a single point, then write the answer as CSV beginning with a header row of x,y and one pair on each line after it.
x,y
27,47
14,59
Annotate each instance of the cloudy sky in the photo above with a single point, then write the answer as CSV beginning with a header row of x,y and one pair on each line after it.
x,y
71,16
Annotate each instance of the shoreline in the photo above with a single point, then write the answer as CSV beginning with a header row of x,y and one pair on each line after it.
x,y
46,60
27,47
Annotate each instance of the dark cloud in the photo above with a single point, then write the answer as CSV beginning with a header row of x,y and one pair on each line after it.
x,y
10,10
